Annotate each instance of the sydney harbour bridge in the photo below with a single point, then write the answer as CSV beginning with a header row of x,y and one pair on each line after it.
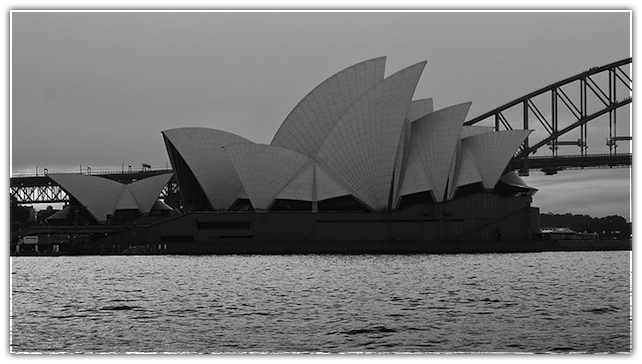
x,y
569,118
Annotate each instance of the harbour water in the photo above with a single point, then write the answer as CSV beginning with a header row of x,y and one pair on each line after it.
x,y
555,302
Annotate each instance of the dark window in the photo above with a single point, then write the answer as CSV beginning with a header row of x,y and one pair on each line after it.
x,y
291,205
415,199
469,190
177,239
342,203
223,225
242,204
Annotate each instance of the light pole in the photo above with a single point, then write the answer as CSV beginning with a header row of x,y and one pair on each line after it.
x,y
19,236
76,235
19,228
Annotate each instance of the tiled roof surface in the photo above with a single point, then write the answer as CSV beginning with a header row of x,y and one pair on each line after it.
x,y
201,149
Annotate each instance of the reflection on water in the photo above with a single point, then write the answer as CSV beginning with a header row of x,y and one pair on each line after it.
x,y
533,302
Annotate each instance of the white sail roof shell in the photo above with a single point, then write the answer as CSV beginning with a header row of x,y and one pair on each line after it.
x,y
470,130
264,170
146,190
99,195
313,183
415,177
126,200
468,172
493,151
453,171
436,137
362,147
403,150
463,169
419,108
102,196
305,129
201,148
326,185
513,179
301,186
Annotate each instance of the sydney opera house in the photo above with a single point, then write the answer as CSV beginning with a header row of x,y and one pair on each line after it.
x,y
357,166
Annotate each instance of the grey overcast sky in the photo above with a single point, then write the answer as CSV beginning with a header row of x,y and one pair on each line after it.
x,y
98,88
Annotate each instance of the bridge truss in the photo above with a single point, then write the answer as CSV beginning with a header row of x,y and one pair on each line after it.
x,y
568,106
38,190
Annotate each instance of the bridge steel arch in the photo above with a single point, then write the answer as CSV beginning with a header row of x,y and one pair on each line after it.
x,y
588,92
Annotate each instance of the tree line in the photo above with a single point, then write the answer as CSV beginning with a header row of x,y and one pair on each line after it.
x,y
609,227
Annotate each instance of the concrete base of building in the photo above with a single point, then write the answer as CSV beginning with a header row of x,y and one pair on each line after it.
x,y
480,219
479,223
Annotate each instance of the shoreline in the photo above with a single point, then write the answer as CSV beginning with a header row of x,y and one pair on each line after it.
x,y
345,248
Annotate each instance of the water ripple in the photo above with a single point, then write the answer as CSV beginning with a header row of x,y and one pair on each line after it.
x,y
371,330
118,308
539,302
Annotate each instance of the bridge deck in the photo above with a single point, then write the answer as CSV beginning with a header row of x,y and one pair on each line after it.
x,y
32,180
550,165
